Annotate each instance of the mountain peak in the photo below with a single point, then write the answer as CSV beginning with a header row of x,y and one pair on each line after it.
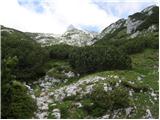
x,y
70,27
148,8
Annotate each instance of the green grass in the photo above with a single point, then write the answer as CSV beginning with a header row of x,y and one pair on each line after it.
x,y
57,67
145,64
53,63
68,110
37,90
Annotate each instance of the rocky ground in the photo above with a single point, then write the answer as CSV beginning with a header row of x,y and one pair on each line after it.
x,y
64,99
51,96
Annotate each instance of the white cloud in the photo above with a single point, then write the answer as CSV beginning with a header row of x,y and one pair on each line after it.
x,y
57,15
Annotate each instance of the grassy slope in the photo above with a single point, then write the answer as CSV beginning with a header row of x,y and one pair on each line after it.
x,y
145,65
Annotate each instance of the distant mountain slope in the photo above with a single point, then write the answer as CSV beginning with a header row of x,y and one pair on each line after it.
x,y
138,24
72,36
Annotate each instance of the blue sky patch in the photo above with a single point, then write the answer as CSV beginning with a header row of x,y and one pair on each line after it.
x,y
90,28
111,7
35,5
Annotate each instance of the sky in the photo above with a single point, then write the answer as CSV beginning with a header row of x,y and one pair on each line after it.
x,y
54,16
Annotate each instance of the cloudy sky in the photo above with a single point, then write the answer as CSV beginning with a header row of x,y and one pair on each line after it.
x,y
54,16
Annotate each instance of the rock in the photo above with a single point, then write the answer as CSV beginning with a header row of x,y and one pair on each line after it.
x,y
56,110
120,81
75,88
128,111
70,74
28,87
131,82
139,78
42,115
135,34
71,90
78,104
42,94
51,94
89,89
153,28
53,104
148,114
105,88
111,28
117,84
33,96
130,93
45,107
132,25
148,9
115,77
109,88
153,94
105,116
42,84
56,113
49,101
7,30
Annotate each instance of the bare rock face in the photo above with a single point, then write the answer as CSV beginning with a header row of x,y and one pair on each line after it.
x,y
72,36
153,28
113,27
77,37
135,20
148,10
132,25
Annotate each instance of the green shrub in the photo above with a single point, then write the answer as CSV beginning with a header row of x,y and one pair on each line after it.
x,y
91,59
134,46
135,87
30,55
138,44
16,103
103,101
59,51
70,111
120,97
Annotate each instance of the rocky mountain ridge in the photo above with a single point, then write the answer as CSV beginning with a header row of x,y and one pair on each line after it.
x,y
72,36
136,24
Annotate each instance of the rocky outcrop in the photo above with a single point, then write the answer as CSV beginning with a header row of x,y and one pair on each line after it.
x,y
72,36
144,17
113,27
77,37
148,10
135,25
132,25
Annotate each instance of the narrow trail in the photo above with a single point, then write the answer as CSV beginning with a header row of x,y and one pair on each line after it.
x,y
44,98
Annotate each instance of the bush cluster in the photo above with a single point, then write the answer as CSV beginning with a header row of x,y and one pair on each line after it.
x,y
30,55
91,59
16,103
99,101
59,51
138,44
22,60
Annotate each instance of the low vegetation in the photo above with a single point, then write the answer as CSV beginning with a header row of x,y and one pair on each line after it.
x,y
91,59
